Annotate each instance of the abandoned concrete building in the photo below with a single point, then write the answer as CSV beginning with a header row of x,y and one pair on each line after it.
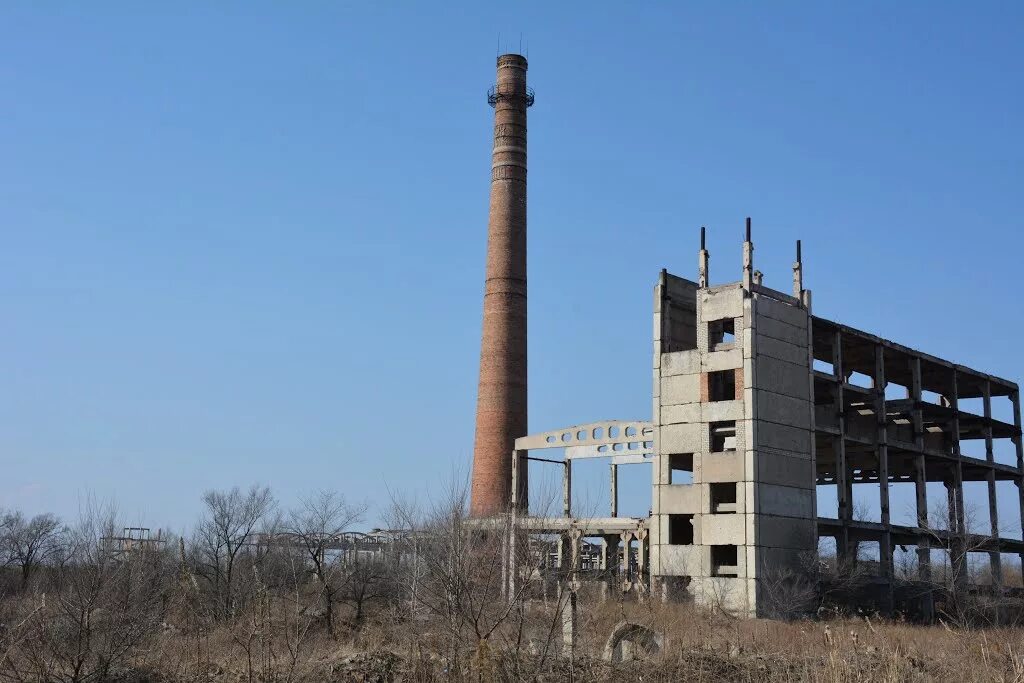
x,y
757,403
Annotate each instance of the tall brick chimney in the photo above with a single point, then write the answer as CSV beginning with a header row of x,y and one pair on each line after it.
x,y
501,394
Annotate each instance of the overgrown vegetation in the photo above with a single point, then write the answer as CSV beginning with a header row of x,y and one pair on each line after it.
x,y
258,593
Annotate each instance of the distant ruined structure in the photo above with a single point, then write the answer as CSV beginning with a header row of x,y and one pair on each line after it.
x,y
756,403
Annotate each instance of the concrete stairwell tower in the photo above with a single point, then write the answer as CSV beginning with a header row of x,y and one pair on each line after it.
x,y
501,395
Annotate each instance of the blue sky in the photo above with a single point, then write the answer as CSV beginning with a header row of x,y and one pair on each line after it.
x,y
243,242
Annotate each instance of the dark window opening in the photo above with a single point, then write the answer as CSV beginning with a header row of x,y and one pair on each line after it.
x,y
680,468
722,385
721,332
680,529
723,436
723,497
724,560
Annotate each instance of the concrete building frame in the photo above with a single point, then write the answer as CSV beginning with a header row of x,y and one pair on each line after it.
x,y
744,411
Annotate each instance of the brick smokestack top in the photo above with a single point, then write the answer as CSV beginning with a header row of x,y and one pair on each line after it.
x,y
501,394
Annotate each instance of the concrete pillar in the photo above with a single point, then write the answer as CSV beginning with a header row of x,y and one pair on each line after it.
x,y
882,453
703,261
995,559
501,394
567,602
844,481
748,260
1015,398
614,485
567,489
798,273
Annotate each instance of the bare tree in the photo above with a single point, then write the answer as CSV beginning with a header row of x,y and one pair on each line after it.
x,y
30,543
950,575
317,526
108,602
224,532
456,569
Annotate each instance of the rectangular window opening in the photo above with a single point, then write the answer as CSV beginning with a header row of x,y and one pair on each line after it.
x,y
723,497
721,332
723,436
680,468
724,560
680,529
722,385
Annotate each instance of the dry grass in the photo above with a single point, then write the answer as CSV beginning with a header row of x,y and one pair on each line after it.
x,y
700,646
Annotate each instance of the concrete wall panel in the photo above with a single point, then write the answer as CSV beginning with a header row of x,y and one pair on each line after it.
x,y
679,389
680,363
723,360
728,529
721,305
796,440
719,411
720,467
680,499
782,377
681,560
784,470
686,413
792,353
776,329
784,501
790,315
784,532
783,409
681,438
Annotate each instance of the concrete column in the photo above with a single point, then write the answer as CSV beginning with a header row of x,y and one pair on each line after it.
x,y
567,489
798,273
844,481
567,601
954,501
1015,398
641,563
955,433
520,482
882,453
748,260
995,559
703,260
614,485
626,538
920,469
